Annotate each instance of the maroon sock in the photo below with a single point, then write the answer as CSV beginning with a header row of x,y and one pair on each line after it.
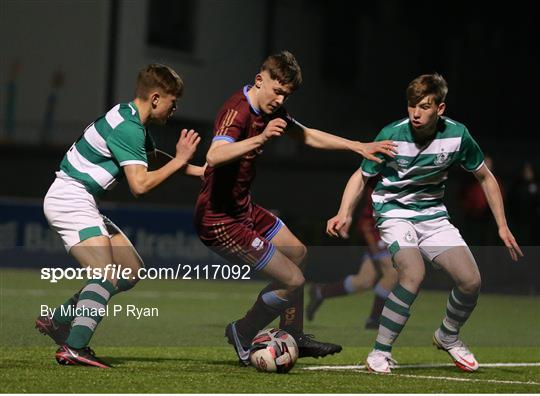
x,y
258,317
292,318
376,309
335,289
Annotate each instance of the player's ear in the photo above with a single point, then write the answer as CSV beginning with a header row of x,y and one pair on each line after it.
x,y
441,109
258,80
154,99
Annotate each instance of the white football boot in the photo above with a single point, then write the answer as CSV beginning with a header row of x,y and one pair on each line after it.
x,y
380,362
461,355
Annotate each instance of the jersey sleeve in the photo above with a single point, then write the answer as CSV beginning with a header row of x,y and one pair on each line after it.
x,y
128,144
229,125
372,168
471,157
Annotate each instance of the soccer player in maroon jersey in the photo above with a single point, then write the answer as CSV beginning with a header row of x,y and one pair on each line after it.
x,y
376,267
230,223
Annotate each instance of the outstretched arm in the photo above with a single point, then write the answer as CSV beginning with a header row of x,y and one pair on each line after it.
x,y
338,226
189,169
494,197
323,140
141,181
194,170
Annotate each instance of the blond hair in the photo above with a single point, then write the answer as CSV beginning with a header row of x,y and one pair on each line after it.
x,y
161,77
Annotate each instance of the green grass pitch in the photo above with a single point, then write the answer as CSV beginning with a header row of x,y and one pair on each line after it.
x,y
183,349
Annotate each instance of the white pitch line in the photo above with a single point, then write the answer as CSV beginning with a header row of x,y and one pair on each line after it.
x,y
459,379
362,369
408,366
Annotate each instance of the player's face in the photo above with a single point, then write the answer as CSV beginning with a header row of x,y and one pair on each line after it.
x,y
271,94
163,107
424,115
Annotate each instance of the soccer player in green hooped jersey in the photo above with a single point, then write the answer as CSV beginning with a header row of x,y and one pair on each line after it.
x,y
113,146
413,220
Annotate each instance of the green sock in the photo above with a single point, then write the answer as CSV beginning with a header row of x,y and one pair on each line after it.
x,y
123,285
393,317
458,309
63,313
91,308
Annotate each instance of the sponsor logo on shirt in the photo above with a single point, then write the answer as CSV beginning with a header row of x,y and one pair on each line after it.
x,y
402,162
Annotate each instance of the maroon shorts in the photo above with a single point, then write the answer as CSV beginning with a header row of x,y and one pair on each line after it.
x,y
241,239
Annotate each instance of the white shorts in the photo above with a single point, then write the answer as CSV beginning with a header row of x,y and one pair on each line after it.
x,y
431,237
72,211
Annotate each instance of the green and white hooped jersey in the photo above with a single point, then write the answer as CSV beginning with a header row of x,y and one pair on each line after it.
x,y
412,183
112,141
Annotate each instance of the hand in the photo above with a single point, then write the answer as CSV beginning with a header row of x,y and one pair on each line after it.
x,y
510,243
386,147
275,128
338,226
186,145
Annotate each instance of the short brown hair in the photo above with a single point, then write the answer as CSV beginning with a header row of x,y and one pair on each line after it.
x,y
158,76
284,68
427,84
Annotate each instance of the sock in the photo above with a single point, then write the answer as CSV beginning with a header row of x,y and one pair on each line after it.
x,y
64,313
378,301
95,295
123,285
292,318
393,318
458,309
339,288
266,308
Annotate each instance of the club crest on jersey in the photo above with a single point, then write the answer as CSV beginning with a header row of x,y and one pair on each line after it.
x,y
442,158
408,237
257,244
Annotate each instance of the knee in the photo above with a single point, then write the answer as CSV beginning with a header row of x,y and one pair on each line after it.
x,y
298,254
303,252
412,279
296,281
471,286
